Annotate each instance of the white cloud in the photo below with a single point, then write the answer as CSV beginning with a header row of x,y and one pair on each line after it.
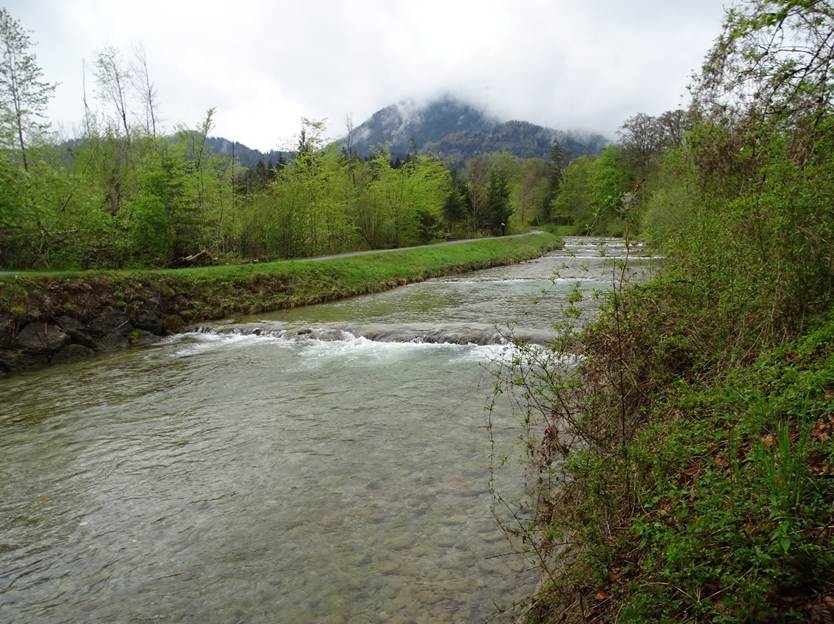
x,y
265,64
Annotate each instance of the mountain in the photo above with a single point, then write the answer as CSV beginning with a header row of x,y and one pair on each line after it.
x,y
455,131
245,155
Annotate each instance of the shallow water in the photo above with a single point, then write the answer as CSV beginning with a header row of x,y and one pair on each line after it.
x,y
334,468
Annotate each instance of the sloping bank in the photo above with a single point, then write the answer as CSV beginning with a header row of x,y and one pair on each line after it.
x,y
47,318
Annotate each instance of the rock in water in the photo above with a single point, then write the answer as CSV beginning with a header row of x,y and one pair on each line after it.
x,y
71,353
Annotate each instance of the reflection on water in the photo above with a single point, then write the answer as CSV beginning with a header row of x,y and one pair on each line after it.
x,y
244,478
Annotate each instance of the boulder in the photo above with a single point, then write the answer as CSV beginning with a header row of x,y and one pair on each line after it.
x,y
149,321
79,336
19,360
69,324
111,322
173,323
39,337
77,331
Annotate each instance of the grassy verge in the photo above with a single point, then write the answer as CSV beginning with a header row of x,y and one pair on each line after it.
x,y
173,298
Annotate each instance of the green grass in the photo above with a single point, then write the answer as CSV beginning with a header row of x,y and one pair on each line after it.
x,y
195,294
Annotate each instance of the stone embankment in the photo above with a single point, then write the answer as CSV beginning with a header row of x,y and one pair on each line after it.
x,y
47,318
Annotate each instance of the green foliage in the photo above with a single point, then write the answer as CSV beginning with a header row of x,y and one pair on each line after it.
x,y
108,203
24,95
498,208
672,200
573,203
591,192
734,495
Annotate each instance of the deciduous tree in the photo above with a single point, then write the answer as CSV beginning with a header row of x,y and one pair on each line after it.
x,y
24,94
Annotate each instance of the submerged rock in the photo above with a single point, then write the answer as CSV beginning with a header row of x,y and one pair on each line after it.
x,y
112,342
71,353
141,338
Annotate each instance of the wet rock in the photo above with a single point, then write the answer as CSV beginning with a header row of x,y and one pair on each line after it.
x,y
71,353
149,321
173,323
38,337
79,336
111,322
77,331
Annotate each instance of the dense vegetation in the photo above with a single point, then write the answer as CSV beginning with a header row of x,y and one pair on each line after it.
x,y
685,467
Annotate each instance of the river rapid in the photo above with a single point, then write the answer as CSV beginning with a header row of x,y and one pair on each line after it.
x,y
323,464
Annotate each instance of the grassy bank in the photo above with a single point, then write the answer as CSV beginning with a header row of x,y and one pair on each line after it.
x,y
129,303
719,507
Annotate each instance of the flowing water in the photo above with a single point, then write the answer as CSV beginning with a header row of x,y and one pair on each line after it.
x,y
324,464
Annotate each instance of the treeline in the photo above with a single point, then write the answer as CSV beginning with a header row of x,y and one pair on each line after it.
x,y
129,194
122,199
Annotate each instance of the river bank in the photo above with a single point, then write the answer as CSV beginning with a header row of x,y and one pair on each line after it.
x,y
48,318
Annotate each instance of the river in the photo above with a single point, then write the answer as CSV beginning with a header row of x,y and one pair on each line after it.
x,y
323,464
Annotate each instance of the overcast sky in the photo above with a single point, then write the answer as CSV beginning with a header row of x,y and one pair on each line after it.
x,y
568,64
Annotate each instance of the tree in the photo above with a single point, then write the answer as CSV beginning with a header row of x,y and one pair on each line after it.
x,y
572,204
774,57
113,79
498,202
644,138
24,94
145,88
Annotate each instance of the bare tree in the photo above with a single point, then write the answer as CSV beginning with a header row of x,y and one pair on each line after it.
x,y
644,138
87,114
145,88
23,93
113,79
